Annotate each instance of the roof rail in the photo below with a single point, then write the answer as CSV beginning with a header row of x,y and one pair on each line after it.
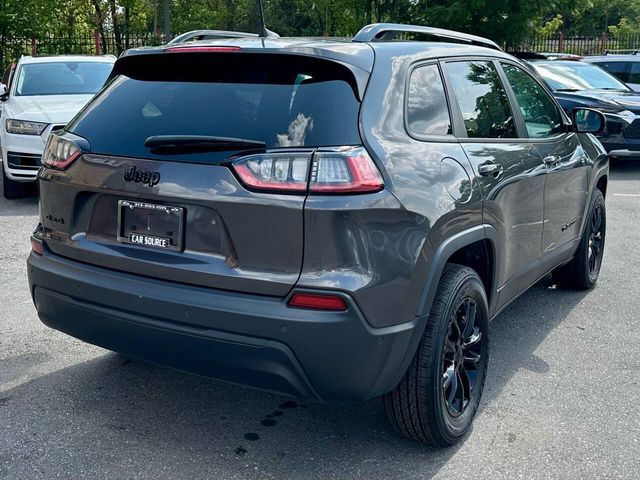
x,y
208,35
621,51
382,32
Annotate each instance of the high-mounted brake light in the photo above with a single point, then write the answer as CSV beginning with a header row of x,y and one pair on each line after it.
x,y
339,170
317,301
59,153
201,49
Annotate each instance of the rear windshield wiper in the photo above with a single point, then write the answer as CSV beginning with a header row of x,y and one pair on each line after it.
x,y
175,144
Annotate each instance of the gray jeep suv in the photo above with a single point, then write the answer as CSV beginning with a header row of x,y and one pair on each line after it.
x,y
322,219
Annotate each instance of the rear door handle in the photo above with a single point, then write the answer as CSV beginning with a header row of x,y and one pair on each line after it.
x,y
552,160
489,169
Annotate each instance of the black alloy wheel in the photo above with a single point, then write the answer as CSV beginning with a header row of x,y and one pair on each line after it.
x,y
462,355
439,395
596,242
583,270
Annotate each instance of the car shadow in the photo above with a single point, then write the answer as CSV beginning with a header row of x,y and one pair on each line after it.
x,y
518,331
172,425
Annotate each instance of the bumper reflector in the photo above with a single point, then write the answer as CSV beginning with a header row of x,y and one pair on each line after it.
x,y
317,301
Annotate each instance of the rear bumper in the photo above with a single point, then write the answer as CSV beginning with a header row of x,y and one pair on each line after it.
x,y
245,339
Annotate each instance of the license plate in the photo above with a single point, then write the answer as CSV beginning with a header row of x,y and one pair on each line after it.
x,y
150,225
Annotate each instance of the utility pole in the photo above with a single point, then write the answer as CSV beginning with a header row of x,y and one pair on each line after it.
x,y
167,21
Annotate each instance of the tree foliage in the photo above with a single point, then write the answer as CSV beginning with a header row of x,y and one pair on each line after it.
x,y
505,21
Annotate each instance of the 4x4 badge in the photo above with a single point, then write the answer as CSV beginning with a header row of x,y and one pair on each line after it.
x,y
142,176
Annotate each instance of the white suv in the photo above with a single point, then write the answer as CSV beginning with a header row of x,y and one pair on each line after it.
x,y
42,95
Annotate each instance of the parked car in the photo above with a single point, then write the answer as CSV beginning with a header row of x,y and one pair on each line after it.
x,y
290,215
625,67
583,85
43,94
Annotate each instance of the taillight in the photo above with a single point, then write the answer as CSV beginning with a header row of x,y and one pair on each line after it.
x,y
349,171
317,301
339,170
60,152
284,172
36,246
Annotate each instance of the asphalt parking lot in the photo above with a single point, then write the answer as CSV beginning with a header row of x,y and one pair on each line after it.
x,y
561,399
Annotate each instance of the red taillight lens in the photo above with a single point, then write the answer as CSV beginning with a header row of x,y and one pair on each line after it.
x,y
193,49
317,301
60,153
350,171
284,172
36,246
340,170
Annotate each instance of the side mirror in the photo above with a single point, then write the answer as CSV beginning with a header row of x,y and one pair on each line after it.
x,y
587,120
4,92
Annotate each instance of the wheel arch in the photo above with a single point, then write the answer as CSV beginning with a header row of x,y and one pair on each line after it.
x,y
475,248
601,184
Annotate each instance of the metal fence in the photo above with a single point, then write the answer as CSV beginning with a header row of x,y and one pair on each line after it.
x,y
93,44
579,45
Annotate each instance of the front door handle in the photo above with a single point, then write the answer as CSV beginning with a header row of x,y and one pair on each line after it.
x,y
489,169
552,160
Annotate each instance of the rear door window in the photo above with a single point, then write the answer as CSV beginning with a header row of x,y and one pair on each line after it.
x,y
482,99
427,110
283,102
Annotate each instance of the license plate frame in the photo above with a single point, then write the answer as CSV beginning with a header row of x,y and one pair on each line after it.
x,y
133,211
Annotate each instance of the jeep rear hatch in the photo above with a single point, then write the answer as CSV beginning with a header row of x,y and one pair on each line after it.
x,y
195,167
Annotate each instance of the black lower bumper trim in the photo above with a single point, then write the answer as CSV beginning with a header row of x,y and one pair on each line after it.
x,y
245,339
266,365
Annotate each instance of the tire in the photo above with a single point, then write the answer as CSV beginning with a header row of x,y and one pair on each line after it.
x,y
417,407
582,272
13,189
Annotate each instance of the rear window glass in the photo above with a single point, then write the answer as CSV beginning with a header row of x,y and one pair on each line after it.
x,y
284,102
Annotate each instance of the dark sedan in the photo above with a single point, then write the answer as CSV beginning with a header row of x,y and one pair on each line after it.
x,y
578,84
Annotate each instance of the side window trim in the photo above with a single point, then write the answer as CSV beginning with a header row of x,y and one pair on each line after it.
x,y
405,114
524,135
521,127
459,128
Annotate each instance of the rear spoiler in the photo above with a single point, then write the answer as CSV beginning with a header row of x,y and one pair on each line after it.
x,y
184,63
